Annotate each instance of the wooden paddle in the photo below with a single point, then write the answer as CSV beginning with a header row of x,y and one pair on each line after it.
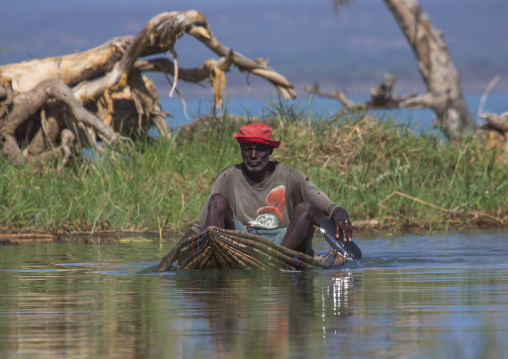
x,y
349,250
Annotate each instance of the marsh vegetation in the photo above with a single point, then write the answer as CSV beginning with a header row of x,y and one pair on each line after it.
x,y
386,175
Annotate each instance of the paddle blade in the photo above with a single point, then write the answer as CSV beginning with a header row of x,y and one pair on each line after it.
x,y
349,250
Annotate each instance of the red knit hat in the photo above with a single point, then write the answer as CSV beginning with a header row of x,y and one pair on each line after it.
x,y
256,133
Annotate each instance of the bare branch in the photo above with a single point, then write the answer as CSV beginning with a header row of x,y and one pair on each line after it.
x,y
489,88
382,97
337,95
257,67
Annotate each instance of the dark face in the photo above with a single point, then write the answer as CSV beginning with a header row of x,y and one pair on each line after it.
x,y
255,156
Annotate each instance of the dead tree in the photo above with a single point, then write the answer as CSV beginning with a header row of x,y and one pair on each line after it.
x,y
53,106
497,128
444,93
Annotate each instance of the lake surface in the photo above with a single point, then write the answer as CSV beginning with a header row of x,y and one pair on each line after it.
x,y
439,296
420,120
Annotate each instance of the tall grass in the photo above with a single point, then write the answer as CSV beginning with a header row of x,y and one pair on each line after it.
x,y
421,181
379,170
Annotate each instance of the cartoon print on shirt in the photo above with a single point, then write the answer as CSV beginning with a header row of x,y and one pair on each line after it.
x,y
270,217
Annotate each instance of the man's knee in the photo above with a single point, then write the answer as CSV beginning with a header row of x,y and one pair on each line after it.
x,y
218,203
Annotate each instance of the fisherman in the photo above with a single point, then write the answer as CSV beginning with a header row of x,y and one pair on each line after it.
x,y
268,198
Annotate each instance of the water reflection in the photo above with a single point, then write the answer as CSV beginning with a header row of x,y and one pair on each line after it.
x,y
64,315
419,295
84,313
338,301
273,313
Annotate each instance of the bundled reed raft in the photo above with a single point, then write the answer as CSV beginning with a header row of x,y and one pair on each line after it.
x,y
217,248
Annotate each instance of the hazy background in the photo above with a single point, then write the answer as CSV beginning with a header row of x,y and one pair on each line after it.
x,y
305,40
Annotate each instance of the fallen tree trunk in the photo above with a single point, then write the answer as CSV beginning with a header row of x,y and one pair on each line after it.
x,y
97,93
497,122
497,131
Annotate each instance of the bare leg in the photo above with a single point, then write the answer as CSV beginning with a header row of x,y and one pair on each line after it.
x,y
220,213
300,228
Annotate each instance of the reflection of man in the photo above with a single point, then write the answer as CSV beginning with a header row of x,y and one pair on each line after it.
x,y
268,198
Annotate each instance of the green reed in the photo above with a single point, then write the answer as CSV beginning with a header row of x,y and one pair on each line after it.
x,y
374,168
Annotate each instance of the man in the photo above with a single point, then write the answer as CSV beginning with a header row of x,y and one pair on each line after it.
x,y
268,198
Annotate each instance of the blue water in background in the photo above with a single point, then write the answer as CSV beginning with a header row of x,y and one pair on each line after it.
x,y
319,108
420,119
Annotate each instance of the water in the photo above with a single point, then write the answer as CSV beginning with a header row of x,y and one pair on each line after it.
x,y
439,296
420,119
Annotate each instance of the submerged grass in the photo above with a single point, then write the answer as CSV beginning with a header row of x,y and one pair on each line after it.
x,y
385,175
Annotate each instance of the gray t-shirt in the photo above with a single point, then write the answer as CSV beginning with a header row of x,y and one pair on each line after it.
x,y
270,204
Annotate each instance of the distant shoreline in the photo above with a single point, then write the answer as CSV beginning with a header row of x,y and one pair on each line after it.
x,y
237,86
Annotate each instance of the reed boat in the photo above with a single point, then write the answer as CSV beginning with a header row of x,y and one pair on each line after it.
x,y
222,249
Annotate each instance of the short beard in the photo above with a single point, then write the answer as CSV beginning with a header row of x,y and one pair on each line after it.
x,y
259,168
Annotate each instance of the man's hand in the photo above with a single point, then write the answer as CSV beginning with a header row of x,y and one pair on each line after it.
x,y
342,223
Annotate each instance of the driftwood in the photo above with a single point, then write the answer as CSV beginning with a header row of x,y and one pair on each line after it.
x,y
496,130
222,249
497,122
381,97
444,94
53,106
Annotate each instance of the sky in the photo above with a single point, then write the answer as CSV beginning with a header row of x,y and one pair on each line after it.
x,y
304,40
